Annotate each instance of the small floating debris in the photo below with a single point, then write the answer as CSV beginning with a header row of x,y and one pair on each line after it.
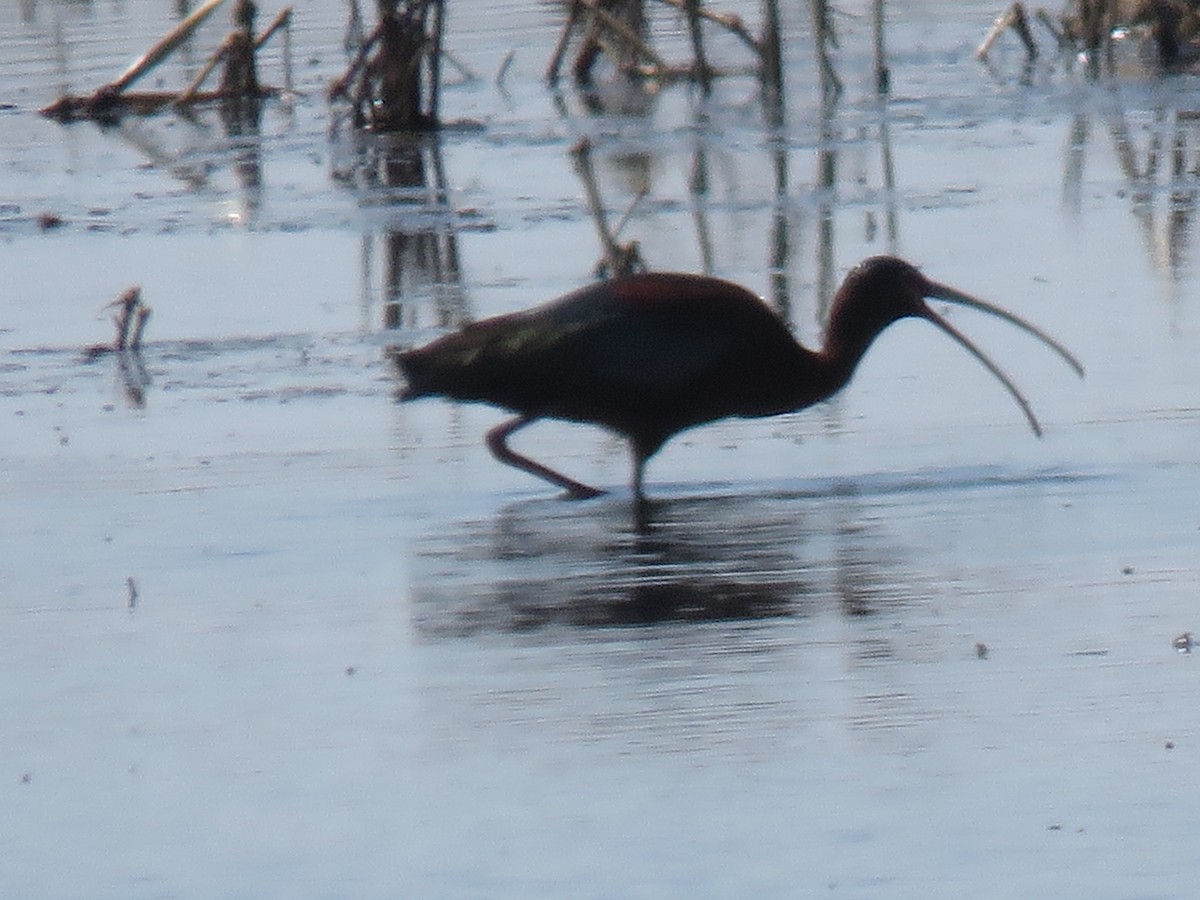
x,y
1091,651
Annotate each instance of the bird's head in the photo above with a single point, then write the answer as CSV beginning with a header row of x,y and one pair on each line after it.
x,y
884,289
879,291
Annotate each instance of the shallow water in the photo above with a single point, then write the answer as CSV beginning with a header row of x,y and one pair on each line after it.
x,y
269,633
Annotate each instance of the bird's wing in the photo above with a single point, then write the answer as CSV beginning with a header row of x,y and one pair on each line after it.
x,y
686,346
668,338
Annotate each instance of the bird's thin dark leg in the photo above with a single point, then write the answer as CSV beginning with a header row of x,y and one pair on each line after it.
x,y
641,509
639,468
497,441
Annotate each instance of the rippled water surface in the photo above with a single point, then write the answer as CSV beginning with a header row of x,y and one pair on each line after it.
x,y
269,633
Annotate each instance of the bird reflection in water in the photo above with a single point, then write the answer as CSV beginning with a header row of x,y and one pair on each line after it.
x,y
539,566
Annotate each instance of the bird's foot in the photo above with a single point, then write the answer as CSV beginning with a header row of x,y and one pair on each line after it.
x,y
578,491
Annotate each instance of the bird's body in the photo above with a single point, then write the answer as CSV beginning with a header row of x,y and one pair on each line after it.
x,y
645,356
648,356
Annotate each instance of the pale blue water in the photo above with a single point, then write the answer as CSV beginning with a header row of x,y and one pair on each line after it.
x,y
365,660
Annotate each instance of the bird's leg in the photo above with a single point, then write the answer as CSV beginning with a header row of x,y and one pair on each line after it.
x,y
641,509
497,441
639,468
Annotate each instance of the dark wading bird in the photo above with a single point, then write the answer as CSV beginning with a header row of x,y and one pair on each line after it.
x,y
648,356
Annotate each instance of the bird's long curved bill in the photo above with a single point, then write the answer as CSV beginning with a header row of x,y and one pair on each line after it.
x,y
949,294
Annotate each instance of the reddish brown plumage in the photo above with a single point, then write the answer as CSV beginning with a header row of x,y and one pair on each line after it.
x,y
650,355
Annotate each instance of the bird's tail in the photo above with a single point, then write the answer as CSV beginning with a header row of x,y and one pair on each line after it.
x,y
471,364
408,364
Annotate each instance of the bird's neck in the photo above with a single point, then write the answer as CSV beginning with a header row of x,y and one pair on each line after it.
x,y
848,336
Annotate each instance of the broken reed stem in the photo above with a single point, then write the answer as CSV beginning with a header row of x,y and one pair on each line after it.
x,y
702,70
143,315
1015,18
729,21
161,50
582,154
126,304
340,86
505,64
623,32
771,56
831,85
883,77
1054,27
435,59
288,86
393,82
619,259
282,18
564,39
461,67
189,93
643,192
596,17
1021,24
589,46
